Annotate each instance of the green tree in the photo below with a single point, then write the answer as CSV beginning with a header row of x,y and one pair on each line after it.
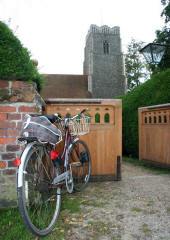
x,y
136,68
166,11
15,60
163,36
154,91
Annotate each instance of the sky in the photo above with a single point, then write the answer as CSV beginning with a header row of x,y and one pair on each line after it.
x,y
54,31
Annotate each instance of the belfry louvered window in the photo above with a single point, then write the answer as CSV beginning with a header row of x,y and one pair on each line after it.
x,y
106,47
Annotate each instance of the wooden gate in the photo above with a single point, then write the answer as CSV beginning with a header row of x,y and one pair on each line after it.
x,y
105,137
154,134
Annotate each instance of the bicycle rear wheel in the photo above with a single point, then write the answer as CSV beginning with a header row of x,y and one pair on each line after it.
x,y
39,200
80,162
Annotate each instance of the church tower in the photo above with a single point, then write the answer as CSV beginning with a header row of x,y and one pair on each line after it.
x,y
103,62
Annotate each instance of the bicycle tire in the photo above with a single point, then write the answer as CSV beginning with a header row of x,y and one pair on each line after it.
x,y
39,201
80,161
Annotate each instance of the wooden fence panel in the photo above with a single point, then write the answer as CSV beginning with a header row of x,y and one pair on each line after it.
x,y
105,137
154,134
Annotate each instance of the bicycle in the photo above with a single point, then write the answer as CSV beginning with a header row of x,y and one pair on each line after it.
x,y
42,170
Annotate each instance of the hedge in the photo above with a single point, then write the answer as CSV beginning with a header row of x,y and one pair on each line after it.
x,y
152,92
15,60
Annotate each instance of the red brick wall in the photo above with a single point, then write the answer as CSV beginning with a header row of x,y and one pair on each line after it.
x,y
11,115
16,99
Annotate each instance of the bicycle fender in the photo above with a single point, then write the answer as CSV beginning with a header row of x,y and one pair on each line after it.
x,y
20,169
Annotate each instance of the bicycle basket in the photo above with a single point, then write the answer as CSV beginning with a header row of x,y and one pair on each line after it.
x,y
41,128
79,125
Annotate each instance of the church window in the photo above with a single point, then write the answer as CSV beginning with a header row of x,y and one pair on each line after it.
x,y
106,47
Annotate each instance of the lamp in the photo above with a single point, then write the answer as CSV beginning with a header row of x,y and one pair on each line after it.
x,y
153,52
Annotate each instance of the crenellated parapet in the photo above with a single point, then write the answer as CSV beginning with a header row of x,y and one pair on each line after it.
x,y
103,29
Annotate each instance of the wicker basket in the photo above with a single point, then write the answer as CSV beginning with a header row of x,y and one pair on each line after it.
x,y
77,126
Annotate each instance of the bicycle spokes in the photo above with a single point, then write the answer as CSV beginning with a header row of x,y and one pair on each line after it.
x,y
39,193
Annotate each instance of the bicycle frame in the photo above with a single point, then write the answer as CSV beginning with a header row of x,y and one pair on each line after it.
x,y
68,142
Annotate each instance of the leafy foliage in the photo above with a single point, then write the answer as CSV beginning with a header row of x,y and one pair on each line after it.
x,y
166,11
152,92
163,36
15,61
136,70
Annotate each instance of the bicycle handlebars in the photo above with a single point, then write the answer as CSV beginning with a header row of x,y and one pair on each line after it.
x,y
69,118
56,118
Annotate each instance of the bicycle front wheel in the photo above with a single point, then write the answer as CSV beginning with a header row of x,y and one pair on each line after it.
x,y
39,199
80,162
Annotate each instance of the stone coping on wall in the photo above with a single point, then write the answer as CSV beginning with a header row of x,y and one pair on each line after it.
x,y
83,100
19,91
156,106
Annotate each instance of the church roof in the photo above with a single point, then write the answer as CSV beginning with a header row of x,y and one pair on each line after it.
x,y
65,86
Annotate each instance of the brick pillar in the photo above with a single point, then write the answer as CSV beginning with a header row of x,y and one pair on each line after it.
x,y
16,99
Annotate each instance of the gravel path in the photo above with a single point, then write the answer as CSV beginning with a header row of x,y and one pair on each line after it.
x,y
136,208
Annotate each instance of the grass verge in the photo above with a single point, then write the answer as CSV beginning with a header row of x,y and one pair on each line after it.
x,y
12,226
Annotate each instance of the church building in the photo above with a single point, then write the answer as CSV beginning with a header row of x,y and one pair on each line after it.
x,y
103,70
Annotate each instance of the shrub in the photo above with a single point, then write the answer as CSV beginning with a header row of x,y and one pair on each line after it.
x,y
15,60
154,91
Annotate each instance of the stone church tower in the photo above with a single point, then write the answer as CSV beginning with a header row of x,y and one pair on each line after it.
x,y
103,62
